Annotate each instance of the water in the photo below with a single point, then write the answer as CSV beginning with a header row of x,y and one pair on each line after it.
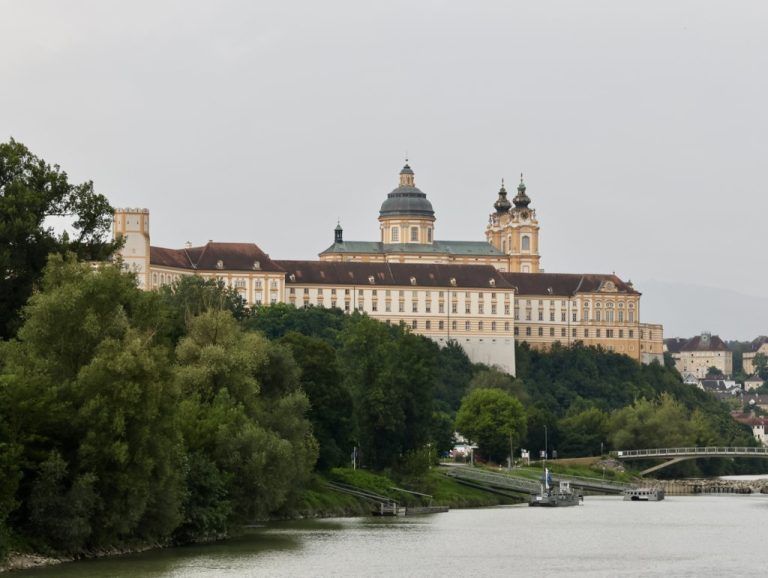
x,y
697,536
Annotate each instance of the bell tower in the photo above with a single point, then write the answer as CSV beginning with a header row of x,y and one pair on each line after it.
x,y
514,230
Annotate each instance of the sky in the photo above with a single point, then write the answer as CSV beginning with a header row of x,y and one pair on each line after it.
x,y
640,127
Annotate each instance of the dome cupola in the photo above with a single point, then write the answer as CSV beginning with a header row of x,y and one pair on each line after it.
x,y
521,200
407,199
502,204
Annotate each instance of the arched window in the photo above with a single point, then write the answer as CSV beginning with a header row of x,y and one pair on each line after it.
x,y
609,312
525,244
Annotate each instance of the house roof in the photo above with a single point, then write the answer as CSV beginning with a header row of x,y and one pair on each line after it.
x,y
567,284
674,344
392,274
214,256
704,343
462,248
758,343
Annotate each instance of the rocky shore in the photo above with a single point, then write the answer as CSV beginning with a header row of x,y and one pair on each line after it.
x,y
692,487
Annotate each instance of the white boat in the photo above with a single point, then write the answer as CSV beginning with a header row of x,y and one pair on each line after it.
x,y
558,497
644,494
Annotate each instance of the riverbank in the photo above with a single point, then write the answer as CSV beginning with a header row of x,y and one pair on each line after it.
x,y
318,500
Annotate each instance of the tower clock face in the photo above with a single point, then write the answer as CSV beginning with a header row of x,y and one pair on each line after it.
x,y
524,215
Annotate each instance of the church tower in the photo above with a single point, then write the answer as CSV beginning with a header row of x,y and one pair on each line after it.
x,y
514,230
133,226
406,216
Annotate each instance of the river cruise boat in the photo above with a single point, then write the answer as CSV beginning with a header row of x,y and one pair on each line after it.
x,y
644,495
558,497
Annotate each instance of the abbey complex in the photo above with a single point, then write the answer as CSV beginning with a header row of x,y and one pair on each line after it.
x,y
482,294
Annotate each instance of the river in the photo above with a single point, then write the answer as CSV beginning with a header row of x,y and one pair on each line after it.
x,y
697,536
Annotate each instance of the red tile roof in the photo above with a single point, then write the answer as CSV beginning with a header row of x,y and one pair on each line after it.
x,y
230,257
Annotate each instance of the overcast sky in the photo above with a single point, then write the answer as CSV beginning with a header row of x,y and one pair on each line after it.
x,y
641,127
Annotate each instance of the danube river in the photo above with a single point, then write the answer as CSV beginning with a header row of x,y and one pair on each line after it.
x,y
680,536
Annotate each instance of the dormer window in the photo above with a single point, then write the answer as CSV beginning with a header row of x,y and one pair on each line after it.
x,y
371,279
219,264
256,265
492,282
413,280
292,278
453,281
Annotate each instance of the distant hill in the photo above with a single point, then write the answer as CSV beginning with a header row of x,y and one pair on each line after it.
x,y
687,309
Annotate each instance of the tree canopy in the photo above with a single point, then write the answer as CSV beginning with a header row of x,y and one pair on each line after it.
x,y
31,193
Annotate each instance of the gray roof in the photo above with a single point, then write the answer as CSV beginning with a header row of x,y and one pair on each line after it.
x,y
406,200
392,274
462,248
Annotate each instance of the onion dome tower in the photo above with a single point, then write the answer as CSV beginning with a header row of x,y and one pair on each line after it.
x,y
514,230
502,204
406,216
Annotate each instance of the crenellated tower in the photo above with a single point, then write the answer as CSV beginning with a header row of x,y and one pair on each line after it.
x,y
133,226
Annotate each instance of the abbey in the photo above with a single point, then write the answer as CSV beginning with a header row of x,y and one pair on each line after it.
x,y
482,294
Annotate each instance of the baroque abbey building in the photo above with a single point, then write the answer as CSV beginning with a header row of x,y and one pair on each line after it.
x,y
482,294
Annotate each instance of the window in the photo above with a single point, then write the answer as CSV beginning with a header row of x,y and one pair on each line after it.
x,y
551,331
631,333
401,307
493,326
597,333
573,316
480,308
333,291
585,314
428,325
480,326
415,307
273,284
631,316
528,331
541,315
493,309
573,332
586,333
395,234
388,307
527,314
517,331
621,333
562,316
257,283
441,325
541,332
517,314
454,307
453,325
467,308
429,235
306,291
466,326
551,315
414,324
506,309
609,332
292,291
525,243
441,308
562,332
374,306
414,234
621,315
597,315
506,326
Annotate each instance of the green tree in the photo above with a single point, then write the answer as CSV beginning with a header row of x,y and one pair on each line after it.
x,y
331,409
494,420
652,424
583,432
84,396
391,374
492,378
274,321
244,422
760,363
31,192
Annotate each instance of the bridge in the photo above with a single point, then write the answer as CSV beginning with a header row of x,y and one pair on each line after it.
x,y
503,483
675,455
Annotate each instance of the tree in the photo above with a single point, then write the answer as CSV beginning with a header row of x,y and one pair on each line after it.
x,y
760,363
494,420
714,371
86,403
248,440
31,192
331,410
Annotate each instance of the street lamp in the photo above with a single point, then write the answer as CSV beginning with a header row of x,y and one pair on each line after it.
x,y
546,445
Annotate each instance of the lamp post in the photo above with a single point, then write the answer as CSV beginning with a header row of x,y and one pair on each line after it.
x,y
546,445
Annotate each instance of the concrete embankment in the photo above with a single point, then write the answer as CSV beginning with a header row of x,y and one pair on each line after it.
x,y
689,487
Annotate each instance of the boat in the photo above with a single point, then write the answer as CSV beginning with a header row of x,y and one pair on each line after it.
x,y
558,497
644,494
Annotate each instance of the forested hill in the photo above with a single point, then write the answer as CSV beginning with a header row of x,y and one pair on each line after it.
x,y
588,397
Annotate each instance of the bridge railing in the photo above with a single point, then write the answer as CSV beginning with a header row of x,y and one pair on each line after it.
x,y
693,451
